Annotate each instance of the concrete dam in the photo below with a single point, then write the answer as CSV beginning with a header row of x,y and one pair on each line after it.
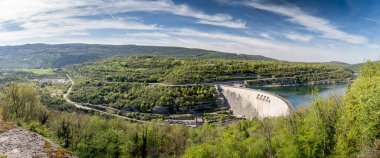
x,y
250,103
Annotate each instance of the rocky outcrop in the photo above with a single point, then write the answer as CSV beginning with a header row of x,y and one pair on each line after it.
x,y
16,142
250,103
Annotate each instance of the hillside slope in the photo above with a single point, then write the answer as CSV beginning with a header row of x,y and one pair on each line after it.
x,y
140,83
44,55
357,67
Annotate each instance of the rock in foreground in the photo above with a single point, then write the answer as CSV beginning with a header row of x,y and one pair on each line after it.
x,y
16,142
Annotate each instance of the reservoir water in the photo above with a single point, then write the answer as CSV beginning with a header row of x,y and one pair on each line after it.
x,y
301,95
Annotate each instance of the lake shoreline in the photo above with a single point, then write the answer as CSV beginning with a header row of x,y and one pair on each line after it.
x,y
323,82
301,94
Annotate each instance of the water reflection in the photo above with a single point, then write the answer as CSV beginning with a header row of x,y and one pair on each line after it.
x,y
301,95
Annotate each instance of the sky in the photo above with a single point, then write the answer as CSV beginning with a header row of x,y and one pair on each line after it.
x,y
293,30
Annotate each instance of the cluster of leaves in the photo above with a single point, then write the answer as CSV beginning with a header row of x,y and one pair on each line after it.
x,y
307,133
358,127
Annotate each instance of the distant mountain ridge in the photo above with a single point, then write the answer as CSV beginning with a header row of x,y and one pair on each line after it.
x,y
337,63
357,67
58,55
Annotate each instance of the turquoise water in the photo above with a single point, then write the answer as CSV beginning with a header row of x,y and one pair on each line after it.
x,y
301,95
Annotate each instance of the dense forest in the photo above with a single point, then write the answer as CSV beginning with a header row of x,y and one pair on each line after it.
x,y
143,98
150,69
340,126
140,83
60,55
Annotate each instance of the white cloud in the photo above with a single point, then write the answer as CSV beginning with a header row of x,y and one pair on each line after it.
x,y
244,40
67,26
266,35
19,10
223,1
372,20
168,6
298,37
49,18
174,35
312,23
14,10
232,24
373,46
162,6
54,19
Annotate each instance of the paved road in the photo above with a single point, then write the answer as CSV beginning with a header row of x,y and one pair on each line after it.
x,y
80,106
66,97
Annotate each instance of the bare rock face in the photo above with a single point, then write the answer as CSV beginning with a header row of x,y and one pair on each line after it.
x,y
16,142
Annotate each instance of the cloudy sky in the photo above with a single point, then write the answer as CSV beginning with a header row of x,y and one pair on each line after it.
x,y
294,30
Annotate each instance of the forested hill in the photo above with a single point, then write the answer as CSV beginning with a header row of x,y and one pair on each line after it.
x,y
44,55
358,67
122,82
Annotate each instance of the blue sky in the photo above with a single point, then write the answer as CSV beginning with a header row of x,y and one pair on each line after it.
x,y
294,30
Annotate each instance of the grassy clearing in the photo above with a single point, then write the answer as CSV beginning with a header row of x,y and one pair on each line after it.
x,y
39,71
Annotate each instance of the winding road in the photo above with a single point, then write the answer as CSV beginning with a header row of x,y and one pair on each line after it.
x,y
168,122
80,106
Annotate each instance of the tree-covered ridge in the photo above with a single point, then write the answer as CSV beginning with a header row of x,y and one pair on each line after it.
x,y
357,67
144,98
60,55
130,69
227,70
138,83
151,69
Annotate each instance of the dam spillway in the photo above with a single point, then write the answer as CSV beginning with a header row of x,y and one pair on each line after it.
x,y
251,103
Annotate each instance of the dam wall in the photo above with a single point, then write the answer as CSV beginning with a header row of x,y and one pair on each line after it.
x,y
251,103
